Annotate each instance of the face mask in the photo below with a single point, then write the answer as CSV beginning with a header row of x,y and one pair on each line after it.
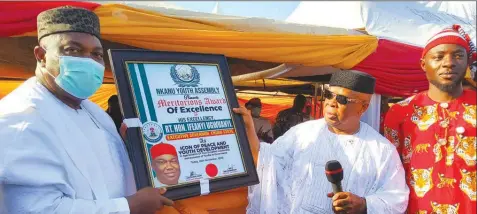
x,y
256,112
79,77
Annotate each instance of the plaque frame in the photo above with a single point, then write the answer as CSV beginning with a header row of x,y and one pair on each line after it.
x,y
119,59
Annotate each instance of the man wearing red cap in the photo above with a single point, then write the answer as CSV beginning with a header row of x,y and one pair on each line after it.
x,y
165,164
435,131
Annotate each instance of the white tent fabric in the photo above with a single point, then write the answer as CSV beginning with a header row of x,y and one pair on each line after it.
x,y
372,116
462,9
407,22
143,4
339,14
217,9
235,22
412,22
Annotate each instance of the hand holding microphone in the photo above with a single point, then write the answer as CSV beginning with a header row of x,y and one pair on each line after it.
x,y
334,174
343,202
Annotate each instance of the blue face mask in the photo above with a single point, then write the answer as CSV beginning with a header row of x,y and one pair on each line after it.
x,y
79,77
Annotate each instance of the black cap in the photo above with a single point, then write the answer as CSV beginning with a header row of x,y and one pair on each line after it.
x,y
354,80
67,19
334,171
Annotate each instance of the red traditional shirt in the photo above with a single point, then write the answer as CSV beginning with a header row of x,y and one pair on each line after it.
x,y
437,144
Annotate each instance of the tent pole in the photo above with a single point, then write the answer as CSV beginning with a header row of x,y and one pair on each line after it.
x,y
316,99
321,99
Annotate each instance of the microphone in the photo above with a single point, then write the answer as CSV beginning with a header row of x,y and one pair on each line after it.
x,y
334,174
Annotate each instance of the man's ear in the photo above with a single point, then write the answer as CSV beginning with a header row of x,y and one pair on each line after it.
x,y
423,64
40,55
364,108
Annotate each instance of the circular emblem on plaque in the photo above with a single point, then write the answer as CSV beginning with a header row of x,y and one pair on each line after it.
x,y
184,72
185,75
152,132
211,170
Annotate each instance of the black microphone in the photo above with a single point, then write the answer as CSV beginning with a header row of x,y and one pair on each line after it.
x,y
334,174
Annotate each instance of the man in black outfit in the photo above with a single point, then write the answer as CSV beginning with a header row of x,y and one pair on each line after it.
x,y
290,117
114,111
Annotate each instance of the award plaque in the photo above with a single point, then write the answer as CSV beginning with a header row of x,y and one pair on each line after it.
x,y
189,140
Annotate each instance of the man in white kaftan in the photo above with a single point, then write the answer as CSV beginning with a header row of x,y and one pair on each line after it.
x,y
55,157
59,152
292,169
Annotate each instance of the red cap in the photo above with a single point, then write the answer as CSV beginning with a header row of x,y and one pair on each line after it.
x,y
455,35
447,36
162,149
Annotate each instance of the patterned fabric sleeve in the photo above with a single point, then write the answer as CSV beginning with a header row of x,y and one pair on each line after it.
x,y
392,126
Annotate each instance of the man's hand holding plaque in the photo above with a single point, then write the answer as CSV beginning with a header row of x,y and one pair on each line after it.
x,y
148,200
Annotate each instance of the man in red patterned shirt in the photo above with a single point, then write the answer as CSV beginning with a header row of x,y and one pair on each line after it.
x,y
435,131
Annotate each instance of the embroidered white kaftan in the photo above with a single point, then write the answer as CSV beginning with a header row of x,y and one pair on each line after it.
x,y
54,159
292,171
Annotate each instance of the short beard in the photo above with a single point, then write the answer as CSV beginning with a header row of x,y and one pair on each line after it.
x,y
449,88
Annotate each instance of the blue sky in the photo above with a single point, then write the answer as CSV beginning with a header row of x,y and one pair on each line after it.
x,y
278,10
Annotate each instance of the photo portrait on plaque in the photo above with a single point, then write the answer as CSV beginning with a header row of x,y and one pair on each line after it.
x,y
188,133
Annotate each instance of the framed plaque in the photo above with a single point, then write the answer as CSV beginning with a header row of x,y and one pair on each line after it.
x,y
189,133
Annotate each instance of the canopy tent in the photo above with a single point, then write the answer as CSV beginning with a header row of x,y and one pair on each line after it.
x,y
339,14
395,66
181,30
242,24
403,29
462,9
408,22
246,38
119,23
415,22
252,47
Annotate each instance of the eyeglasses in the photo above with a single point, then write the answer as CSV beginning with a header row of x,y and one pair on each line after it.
x,y
341,99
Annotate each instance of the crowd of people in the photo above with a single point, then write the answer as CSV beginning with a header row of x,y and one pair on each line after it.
x,y
61,153
287,118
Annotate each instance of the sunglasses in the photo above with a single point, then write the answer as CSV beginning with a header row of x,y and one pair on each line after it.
x,y
341,99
